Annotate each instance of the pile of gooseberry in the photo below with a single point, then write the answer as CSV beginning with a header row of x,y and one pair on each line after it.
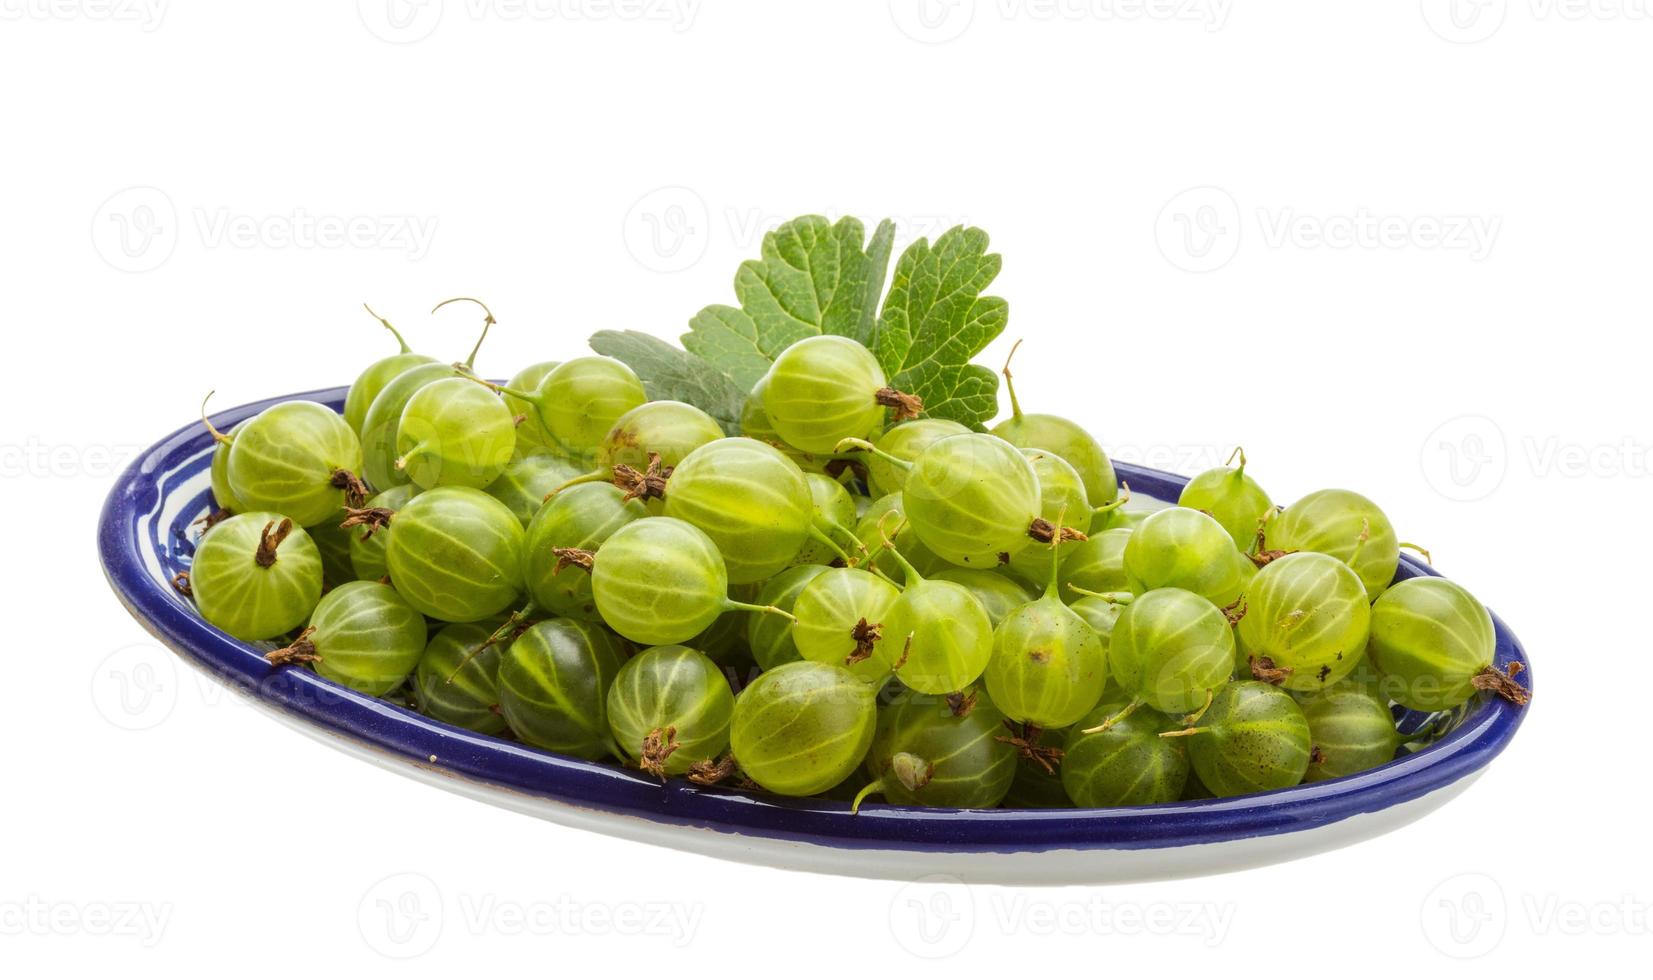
x,y
846,599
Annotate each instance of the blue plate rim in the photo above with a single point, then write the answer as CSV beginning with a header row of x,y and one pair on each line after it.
x,y
432,745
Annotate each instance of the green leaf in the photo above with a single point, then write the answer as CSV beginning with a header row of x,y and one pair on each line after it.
x,y
813,277
671,374
935,320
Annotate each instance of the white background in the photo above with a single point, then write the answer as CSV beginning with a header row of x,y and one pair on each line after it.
x,y
1392,248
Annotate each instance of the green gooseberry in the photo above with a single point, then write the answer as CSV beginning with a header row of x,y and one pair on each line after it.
x,y
1114,756
1434,645
1351,730
1231,497
256,576
457,679
527,482
1305,615
1253,738
669,708
770,637
803,727
1345,525
928,752
554,681
375,376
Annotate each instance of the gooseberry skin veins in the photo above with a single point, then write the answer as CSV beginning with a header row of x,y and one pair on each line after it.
x,y
1333,522
455,432
245,599
659,581
938,635
524,484
581,400
1048,666
832,508
671,687
1128,764
803,727
384,419
1171,648
828,611
368,637
749,499
581,517
455,554
1102,615
1254,738
533,437
998,594
1096,564
554,682
1062,502
1307,613
1429,638
821,391
1232,498
1350,731
972,499
770,637
1185,549
372,380
970,766
284,458
670,429
457,679
1072,443
904,441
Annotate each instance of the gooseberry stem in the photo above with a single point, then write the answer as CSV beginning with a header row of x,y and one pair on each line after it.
x,y
511,622
1420,549
1117,598
1009,383
824,538
595,476
216,435
909,574
1240,452
731,605
1116,719
1194,718
1185,731
833,526
867,447
393,331
876,786
1121,500
488,321
1360,542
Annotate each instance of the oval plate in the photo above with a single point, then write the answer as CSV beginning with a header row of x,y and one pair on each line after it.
x,y
145,537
